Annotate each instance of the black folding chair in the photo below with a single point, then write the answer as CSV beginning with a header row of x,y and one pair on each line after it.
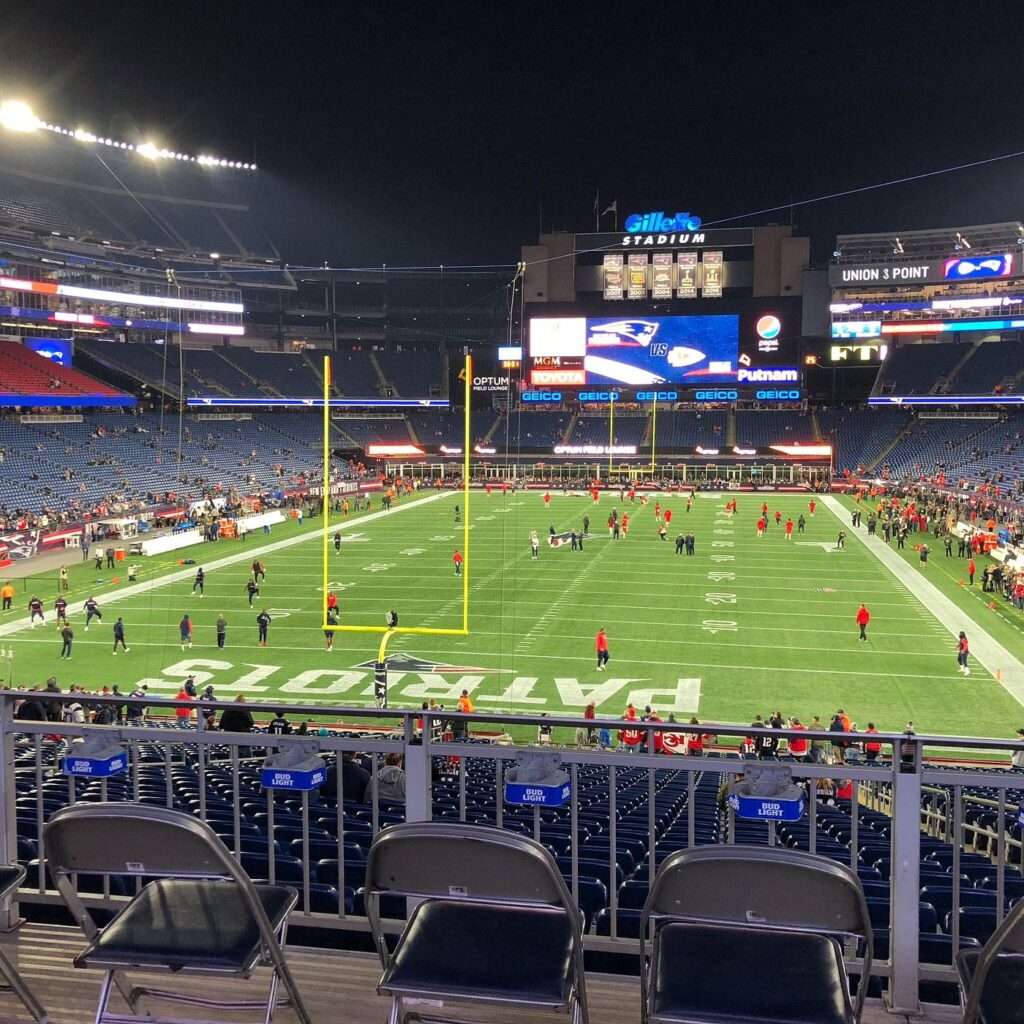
x,y
10,878
495,924
992,978
750,933
202,914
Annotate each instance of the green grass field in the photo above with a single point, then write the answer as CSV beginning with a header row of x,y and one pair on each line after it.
x,y
745,626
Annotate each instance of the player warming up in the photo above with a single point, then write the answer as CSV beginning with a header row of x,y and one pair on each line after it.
x,y
457,562
863,618
259,572
263,621
35,609
534,544
601,647
253,590
963,651
92,611
200,582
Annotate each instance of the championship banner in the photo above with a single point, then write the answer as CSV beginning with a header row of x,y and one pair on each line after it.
x,y
613,262
686,279
637,286
661,282
712,285
556,540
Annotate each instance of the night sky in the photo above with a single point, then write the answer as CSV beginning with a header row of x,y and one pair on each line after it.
x,y
421,134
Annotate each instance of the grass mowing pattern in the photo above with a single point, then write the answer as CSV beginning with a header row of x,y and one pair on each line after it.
x,y
747,625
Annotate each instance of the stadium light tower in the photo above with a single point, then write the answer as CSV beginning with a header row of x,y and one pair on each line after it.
x,y
17,116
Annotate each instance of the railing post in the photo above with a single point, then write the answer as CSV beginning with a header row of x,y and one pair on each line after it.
x,y
418,804
9,917
904,879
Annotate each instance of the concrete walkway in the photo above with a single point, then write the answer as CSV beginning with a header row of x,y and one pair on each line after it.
x,y
985,649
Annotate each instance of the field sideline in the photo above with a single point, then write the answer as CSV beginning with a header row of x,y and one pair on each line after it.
x,y
746,626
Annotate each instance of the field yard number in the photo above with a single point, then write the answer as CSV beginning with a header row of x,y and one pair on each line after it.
x,y
714,626
717,597
378,567
412,551
721,576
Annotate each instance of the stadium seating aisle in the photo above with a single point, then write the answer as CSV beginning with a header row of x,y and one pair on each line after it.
x,y
23,372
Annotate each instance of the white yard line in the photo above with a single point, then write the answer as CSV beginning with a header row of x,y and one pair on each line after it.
x,y
986,650
246,554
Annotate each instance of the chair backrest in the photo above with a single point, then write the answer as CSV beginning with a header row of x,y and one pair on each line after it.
x,y
760,886
765,887
451,860
134,839
1007,938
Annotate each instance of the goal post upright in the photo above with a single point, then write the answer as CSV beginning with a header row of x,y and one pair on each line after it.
x,y
386,630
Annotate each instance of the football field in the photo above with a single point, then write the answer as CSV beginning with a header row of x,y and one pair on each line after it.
x,y
746,625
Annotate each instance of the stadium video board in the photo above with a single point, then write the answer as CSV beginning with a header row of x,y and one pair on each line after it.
x,y
655,351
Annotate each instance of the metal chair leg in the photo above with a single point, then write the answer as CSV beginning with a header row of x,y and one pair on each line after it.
x,y
21,990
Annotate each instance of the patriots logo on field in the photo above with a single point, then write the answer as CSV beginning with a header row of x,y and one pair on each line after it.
x,y
403,662
623,334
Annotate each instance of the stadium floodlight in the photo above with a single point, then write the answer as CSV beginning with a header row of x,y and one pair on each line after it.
x,y
148,150
17,116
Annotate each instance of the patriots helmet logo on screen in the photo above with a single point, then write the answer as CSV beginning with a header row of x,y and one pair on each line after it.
x,y
622,333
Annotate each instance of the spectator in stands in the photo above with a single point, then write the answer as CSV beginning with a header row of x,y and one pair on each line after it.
x,y
1017,757
183,713
279,725
390,781
354,779
31,709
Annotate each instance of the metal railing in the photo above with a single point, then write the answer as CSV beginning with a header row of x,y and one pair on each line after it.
x,y
628,808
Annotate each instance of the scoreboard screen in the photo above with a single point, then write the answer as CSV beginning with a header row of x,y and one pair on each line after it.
x,y
636,352
653,351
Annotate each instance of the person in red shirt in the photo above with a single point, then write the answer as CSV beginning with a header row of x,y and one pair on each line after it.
x,y
695,741
812,505
863,618
971,570
789,528
332,599
778,518
872,747
183,713
601,646
457,562
668,516
762,524
657,511
764,509
488,490
625,523
798,744
590,713
963,650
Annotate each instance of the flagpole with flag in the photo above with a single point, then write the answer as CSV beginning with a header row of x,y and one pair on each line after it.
x,y
613,208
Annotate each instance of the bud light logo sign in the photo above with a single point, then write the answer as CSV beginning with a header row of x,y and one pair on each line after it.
x,y
657,221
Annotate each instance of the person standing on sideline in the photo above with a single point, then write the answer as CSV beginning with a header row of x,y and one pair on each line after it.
x,y
119,635
263,621
64,584
586,525
534,544
222,630
332,620
185,630
337,543
863,618
680,544
801,524
200,582
66,636
971,570
601,647
923,552
457,562
963,651
7,594
841,540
